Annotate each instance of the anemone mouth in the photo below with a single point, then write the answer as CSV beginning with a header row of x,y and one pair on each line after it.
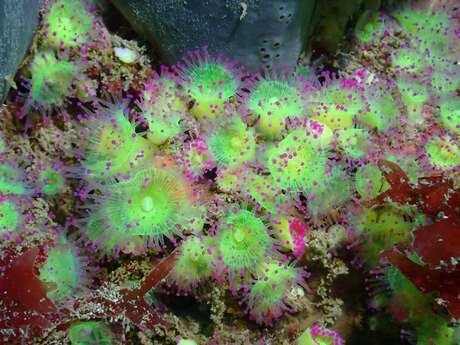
x,y
236,142
355,142
194,263
160,92
337,104
369,182
261,190
297,162
383,228
106,239
407,60
269,291
147,204
274,284
197,158
211,82
274,101
240,233
332,191
381,109
370,26
163,107
109,134
164,127
153,205
414,96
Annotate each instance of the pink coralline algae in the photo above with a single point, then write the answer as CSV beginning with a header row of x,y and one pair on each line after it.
x,y
298,232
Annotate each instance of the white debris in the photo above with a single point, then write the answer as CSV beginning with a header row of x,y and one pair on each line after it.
x,y
126,55
186,342
244,10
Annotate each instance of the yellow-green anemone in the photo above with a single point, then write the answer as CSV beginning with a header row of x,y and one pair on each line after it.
x,y
68,23
194,262
274,101
153,205
336,105
114,148
210,84
443,152
164,108
244,241
299,161
232,144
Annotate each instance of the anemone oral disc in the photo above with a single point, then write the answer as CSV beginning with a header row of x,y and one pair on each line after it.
x,y
239,234
236,142
147,204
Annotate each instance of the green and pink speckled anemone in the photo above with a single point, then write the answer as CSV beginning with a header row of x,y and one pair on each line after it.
x,y
68,23
244,242
113,148
65,270
267,297
145,210
90,333
318,335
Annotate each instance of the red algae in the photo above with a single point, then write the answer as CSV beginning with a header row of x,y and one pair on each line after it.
x,y
23,298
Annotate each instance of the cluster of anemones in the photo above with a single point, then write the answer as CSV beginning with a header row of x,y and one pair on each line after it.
x,y
427,79
151,163
234,168
62,267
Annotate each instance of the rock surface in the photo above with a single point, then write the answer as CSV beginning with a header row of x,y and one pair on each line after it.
x,y
260,33
18,20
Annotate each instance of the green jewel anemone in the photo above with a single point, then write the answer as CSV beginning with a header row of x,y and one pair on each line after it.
x,y
243,241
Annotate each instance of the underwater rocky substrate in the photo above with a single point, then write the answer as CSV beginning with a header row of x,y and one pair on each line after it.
x,y
199,203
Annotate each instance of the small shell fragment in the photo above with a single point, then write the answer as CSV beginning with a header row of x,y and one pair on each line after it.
x,y
125,55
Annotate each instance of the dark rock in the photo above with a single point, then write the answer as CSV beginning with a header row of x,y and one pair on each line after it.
x,y
18,20
259,33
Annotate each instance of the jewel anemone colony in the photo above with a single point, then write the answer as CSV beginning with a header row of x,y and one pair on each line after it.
x,y
225,174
